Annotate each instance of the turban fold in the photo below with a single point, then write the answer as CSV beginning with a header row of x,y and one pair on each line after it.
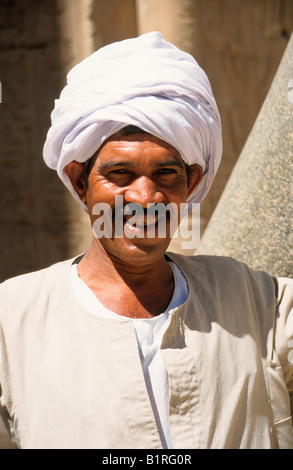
x,y
146,82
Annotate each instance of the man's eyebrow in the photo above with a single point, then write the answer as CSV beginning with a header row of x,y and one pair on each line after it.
x,y
111,164
124,164
172,162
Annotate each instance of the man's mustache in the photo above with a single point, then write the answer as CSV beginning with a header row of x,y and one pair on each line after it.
x,y
136,209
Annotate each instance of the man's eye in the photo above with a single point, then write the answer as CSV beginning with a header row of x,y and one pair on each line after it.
x,y
167,171
119,171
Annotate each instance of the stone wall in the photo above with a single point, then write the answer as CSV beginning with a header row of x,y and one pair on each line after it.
x,y
253,221
40,224
239,47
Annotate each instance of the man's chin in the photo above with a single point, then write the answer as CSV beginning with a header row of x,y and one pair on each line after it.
x,y
135,250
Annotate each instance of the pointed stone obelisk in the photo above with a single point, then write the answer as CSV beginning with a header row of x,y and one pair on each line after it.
x,y
253,221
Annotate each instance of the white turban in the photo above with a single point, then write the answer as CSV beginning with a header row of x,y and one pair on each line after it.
x,y
146,82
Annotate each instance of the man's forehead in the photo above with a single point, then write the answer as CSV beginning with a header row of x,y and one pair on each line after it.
x,y
135,148
138,137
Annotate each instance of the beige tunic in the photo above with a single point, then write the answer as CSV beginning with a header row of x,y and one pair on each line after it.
x,y
73,380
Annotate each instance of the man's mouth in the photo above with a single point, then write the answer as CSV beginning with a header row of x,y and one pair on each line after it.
x,y
140,220
150,222
140,226
134,221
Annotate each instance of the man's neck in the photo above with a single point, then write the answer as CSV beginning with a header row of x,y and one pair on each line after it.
x,y
138,291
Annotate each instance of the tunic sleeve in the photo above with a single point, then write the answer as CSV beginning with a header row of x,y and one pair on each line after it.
x,y
6,440
6,434
284,329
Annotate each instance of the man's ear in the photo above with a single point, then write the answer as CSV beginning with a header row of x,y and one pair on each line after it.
x,y
194,177
76,173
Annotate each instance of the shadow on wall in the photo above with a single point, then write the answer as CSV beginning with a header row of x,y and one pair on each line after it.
x,y
35,207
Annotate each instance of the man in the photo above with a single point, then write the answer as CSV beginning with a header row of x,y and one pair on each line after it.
x,y
126,346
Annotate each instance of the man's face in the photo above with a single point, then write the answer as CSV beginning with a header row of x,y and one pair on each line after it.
x,y
142,170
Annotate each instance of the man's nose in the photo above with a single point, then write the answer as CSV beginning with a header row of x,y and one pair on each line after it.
x,y
143,191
